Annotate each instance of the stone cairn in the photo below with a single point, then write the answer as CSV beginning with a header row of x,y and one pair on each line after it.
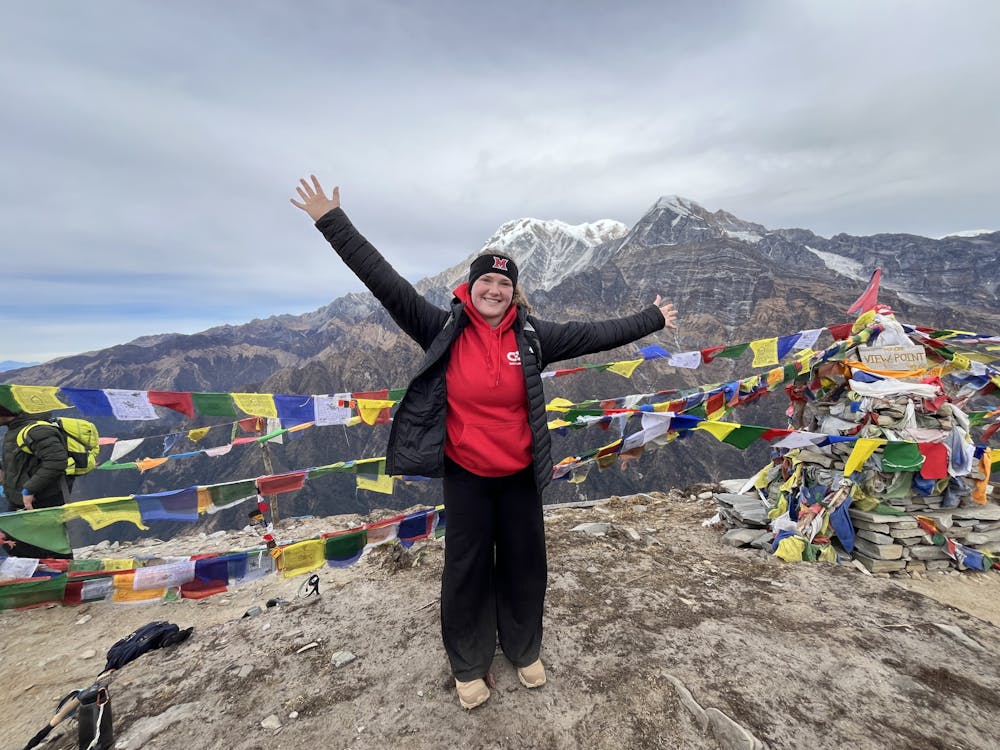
x,y
903,515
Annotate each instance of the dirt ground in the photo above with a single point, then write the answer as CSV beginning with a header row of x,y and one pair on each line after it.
x,y
657,636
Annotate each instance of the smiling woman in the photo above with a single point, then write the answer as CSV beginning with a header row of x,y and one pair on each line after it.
x,y
474,414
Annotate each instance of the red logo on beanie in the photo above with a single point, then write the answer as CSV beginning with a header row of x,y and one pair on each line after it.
x,y
500,263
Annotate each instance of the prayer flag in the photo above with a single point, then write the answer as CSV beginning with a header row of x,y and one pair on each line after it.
x,y
173,505
294,410
901,456
344,548
302,557
935,464
278,483
32,593
765,352
214,404
130,405
868,298
179,401
257,404
626,368
862,451
37,398
105,511
90,402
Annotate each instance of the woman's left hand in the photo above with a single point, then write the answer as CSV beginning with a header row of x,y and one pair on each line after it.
x,y
669,313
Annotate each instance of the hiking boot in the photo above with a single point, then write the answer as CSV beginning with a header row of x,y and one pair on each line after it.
x,y
533,675
473,693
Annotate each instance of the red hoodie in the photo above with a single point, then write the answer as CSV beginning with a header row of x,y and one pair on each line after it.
x,y
487,419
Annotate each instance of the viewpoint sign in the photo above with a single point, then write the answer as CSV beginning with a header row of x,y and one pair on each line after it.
x,y
893,357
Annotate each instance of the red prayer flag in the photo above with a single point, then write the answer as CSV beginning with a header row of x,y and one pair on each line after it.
x,y
840,331
869,297
935,464
178,401
278,483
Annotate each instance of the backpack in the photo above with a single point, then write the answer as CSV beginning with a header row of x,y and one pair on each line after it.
x,y
151,636
82,442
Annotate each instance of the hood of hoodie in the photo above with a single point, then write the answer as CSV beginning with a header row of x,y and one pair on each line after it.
x,y
490,336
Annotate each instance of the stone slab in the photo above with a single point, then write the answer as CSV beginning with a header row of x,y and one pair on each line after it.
x,y
874,537
928,552
879,551
864,515
879,566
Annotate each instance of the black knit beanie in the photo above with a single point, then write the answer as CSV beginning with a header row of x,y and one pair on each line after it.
x,y
491,263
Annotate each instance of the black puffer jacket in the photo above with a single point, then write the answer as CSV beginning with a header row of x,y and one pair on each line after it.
x,y
43,471
417,438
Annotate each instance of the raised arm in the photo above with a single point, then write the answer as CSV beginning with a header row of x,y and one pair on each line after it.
x,y
418,318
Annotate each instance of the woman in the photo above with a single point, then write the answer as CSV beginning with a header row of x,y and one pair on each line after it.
x,y
474,414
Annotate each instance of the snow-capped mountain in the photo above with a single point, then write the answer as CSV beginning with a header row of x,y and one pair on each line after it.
x,y
546,252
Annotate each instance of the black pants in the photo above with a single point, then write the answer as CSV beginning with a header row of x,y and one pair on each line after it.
x,y
495,570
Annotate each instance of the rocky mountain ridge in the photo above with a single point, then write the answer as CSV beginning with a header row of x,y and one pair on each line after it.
x,y
732,280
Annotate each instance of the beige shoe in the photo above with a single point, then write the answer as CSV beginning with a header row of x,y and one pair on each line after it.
x,y
533,675
473,693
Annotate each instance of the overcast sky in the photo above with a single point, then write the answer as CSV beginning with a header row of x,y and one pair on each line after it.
x,y
148,149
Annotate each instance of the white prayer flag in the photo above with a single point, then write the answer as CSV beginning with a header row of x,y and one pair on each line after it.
x,y
690,360
329,411
123,447
130,405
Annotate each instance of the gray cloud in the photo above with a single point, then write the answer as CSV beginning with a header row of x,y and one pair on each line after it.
x,y
149,150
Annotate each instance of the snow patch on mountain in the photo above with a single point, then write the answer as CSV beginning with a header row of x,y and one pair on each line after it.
x,y
967,233
839,264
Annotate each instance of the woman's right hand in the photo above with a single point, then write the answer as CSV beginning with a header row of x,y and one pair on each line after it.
x,y
314,200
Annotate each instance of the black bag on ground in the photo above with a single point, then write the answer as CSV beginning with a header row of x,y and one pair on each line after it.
x,y
150,636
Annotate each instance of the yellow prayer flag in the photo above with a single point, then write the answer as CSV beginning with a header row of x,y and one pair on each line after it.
x,y
864,320
794,480
791,548
369,408
37,398
719,430
382,483
303,426
555,424
195,435
580,472
863,449
119,563
204,500
122,590
625,368
961,362
256,404
775,376
559,404
765,352
301,557
105,511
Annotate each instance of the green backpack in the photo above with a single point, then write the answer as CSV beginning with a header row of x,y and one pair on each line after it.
x,y
82,442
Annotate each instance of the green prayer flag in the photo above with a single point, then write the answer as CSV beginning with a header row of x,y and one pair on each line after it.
x,y
734,351
395,394
321,471
45,528
36,591
214,404
744,436
900,456
343,549
7,399
224,494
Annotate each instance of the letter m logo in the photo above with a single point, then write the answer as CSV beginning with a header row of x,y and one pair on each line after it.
x,y
500,263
